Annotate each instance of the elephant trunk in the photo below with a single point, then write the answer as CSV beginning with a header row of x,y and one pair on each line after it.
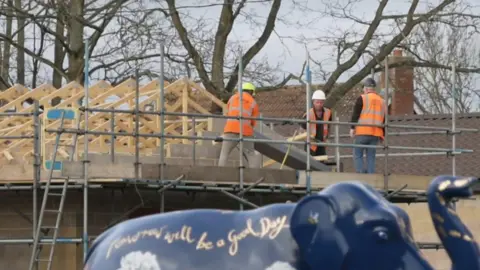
x,y
455,236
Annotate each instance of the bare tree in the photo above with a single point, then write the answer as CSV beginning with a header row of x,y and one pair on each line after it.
x,y
124,35
366,44
438,42
217,64
6,46
63,27
21,41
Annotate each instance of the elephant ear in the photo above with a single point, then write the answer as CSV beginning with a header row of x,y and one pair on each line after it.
x,y
313,227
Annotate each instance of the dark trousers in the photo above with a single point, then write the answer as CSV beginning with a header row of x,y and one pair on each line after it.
x,y
321,151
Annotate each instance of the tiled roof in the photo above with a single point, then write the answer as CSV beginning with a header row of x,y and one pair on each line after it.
x,y
289,101
466,164
286,102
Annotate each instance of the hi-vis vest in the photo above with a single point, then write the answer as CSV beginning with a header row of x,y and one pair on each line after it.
x,y
373,113
250,109
313,126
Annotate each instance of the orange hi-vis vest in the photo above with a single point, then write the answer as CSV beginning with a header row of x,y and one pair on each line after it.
x,y
250,109
373,113
313,126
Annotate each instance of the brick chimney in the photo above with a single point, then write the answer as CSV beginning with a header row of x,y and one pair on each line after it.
x,y
400,86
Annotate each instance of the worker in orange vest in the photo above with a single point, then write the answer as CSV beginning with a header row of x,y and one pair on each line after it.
x,y
369,109
319,132
232,126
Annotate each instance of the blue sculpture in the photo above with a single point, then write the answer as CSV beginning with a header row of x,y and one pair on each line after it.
x,y
347,226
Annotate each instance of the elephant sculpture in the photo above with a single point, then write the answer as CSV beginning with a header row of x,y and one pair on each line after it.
x,y
346,226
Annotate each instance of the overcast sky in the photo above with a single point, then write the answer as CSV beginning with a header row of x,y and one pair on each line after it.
x,y
285,45
300,24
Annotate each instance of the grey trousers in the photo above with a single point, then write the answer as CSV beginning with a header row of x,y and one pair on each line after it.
x,y
228,146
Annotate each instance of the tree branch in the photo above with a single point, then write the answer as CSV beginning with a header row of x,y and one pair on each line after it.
x,y
338,92
223,30
258,45
33,55
361,48
413,63
34,19
193,53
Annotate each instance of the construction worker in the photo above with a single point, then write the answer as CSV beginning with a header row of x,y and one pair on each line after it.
x,y
318,131
232,126
369,109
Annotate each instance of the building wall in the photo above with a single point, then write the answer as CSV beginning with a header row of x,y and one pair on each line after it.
x,y
106,206
468,211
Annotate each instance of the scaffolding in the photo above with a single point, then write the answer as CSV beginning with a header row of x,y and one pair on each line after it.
x,y
236,192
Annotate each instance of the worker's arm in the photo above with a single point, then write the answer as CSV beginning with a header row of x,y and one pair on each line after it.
x,y
228,105
304,125
255,113
357,110
330,126
383,126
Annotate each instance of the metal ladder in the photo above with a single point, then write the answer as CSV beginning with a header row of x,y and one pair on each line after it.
x,y
37,243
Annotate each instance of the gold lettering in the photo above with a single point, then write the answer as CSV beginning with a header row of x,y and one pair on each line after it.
x,y
440,198
461,182
444,185
184,234
441,231
220,243
130,239
266,227
203,243
468,238
250,228
170,237
234,238
270,227
437,217
454,233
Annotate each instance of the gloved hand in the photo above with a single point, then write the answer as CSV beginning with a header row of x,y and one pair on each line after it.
x,y
352,133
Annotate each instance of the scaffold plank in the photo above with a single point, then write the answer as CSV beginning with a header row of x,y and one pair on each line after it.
x,y
219,174
194,173
117,171
74,169
395,181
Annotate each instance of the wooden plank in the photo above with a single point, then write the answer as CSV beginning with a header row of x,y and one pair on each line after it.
x,y
321,158
13,93
185,110
396,181
299,137
72,92
219,174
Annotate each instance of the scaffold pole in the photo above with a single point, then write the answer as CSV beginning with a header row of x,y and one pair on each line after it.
x,y
240,92
308,96
85,149
161,108
387,118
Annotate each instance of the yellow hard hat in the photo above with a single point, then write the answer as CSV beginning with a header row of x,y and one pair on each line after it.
x,y
248,86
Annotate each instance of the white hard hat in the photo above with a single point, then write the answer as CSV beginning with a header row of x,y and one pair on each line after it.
x,y
319,95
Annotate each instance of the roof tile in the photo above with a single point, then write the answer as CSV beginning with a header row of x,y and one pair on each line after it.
x,y
289,101
416,162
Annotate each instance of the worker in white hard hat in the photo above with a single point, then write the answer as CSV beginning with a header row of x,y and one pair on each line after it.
x,y
318,131
232,126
